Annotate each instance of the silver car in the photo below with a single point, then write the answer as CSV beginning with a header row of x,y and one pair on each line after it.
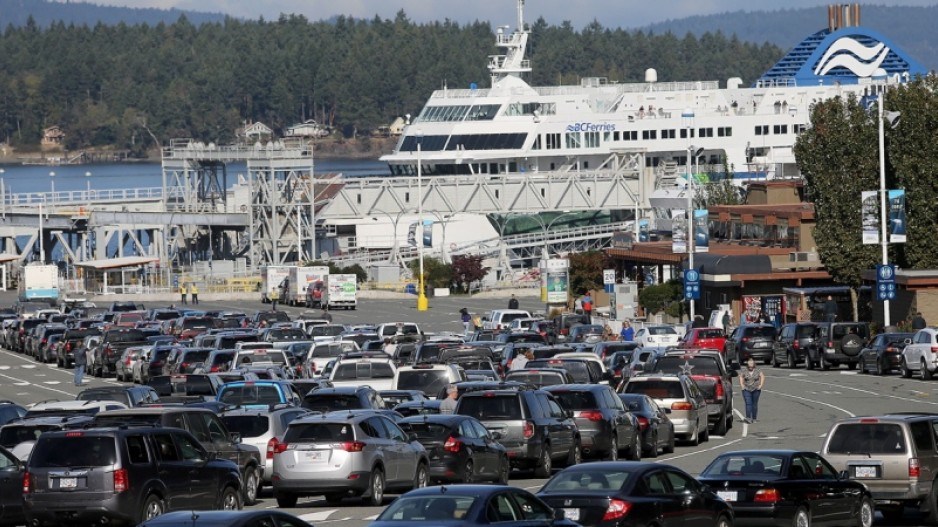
x,y
681,399
360,454
263,429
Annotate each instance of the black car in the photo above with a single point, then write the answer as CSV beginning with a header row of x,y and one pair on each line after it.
x,y
627,493
467,506
343,398
582,370
606,426
657,430
531,424
460,448
185,360
11,489
540,377
837,343
155,359
750,340
10,411
130,395
793,342
393,398
787,487
124,476
884,353
425,407
246,518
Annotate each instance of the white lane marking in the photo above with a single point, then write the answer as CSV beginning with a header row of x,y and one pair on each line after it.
x,y
28,366
869,392
849,372
21,382
51,382
318,516
741,418
694,453
370,518
4,367
835,407
24,383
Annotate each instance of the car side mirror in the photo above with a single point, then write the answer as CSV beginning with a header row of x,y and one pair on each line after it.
x,y
907,341
235,437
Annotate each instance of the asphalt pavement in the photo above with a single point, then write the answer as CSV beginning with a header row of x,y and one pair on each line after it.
x,y
796,409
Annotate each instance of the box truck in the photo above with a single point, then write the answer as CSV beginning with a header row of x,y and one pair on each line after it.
x,y
300,280
40,282
271,278
341,291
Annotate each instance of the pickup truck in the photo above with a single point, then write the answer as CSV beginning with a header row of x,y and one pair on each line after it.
x,y
112,346
378,373
709,371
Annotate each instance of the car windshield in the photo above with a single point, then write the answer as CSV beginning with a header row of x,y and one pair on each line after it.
x,y
330,402
574,481
661,330
761,331
10,436
250,394
262,355
691,365
657,389
578,370
576,400
491,407
745,466
319,433
247,425
805,331
710,334
428,509
326,331
125,336
430,431
197,323
80,451
538,378
867,438
363,370
326,351
427,381
285,334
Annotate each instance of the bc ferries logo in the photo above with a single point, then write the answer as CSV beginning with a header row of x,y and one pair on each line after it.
x,y
591,127
847,53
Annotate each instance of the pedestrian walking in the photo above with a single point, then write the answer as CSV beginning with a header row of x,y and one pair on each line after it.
x,y
918,321
448,406
628,332
726,322
184,291
274,297
587,304
751,380
466,319
513,302
194,291
830,309
521,361
81,360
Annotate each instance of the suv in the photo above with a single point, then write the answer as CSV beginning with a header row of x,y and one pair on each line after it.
x,y
837,343
126,475
919,356
681,395
208,429
583,370
756,341
112,346
343,398
375,372
709,371
343,454
793,342
540,377
606,426
262,429
500,319
20,436
531,424
10,411
132,396
704,338
258,394
893,455
428,378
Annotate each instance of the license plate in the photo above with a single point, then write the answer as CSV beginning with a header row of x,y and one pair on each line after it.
x,y
68,483
572,514
760,345
864,472
316,456
728,495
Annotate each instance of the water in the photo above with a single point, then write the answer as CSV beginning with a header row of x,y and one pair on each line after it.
x,y
37,178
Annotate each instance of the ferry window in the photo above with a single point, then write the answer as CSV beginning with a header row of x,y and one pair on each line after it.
x,y
706,132
483,112
633,135
528,108
607,137
725,131
684,133
649,134
442,113
552,141
591,139
429,143
616,136
573,139
780,129
762,129
537,143
668,134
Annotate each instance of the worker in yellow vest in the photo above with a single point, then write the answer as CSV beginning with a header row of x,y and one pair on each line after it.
x,y
194,291
183,291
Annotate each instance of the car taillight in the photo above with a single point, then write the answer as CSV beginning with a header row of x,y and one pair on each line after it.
x,y
183,366
214,368
616,510
592,415
642,423
767,496
528,430
108,350
121,480
127,360
830,344
68,346
682,405
720,392
745,339
279,448
452,445
27,483
795,345
352,446
272,447
43,341
915,468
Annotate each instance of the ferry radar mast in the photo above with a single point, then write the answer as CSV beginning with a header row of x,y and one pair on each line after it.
x,y
512,63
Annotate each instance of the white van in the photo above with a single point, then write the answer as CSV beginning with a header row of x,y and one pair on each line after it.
x,y
499,319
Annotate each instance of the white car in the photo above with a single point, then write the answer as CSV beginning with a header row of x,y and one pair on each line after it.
x,y
378,373
919,356
657,336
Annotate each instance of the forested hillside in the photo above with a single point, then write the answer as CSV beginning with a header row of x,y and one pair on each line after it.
x,y
44,13
109,84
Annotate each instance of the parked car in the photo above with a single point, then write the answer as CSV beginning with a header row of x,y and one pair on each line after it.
x,y
540,377
343,398
258,394
921,355
589,333
621,493
123,475
793,344
244,518
12,471
339,455
531,424
884,353
132,396
657,336
606,427
262,429
679,394
10,411
20,436
587,370
704,338
747,341
459,448
894,456
837,343
709,372
656,429
787,487
428,378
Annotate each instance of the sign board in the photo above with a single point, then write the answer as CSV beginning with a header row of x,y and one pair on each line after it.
x,y
896,220
558,283
869,214
691,284
885,282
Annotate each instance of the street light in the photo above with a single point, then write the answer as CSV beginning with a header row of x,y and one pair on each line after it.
x,y
893,118
422,303
395,245
546,227
52,180
687,116
88,189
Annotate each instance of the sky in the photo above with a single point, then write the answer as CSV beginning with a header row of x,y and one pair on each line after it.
x,y
610,13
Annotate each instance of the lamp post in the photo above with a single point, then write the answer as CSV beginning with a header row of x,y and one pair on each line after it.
x,y
689,237
893,121
422,303
52,181
546,227
88,190
395,244
3,191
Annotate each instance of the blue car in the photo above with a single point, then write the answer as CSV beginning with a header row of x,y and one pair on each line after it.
x,y
467,505
258,394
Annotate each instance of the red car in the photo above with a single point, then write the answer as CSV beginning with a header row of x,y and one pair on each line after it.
x,y
704,338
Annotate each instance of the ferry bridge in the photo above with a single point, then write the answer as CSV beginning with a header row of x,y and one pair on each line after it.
x,y
275,213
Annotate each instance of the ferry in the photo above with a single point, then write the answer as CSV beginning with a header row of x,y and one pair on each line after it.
x,y
729,130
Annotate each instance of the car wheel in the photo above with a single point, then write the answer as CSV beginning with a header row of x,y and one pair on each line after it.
x,y
230,499
791,360
801,518
545,465
285,500
613,454
694,439
635,453
879,369
721,427
575,457
775,362
824,364
504,472
669,448
931,505
865,515
334,498
251,483
724,521
374,496
653,451
153,506
467,470
851,365
422,476
705,433
904,369
808,363
925,373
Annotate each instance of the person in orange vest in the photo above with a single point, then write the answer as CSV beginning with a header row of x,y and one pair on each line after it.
x,y
183,291
194,291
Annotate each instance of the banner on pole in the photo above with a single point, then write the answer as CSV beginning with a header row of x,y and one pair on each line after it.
x,y
869,212
701,231
896,221
428,233
678,231
412,235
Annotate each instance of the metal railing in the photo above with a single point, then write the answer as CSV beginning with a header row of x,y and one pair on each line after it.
x,y
80,197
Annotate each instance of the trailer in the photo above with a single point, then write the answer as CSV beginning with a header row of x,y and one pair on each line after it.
x,y
299,282
341,291
272,277
40,282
